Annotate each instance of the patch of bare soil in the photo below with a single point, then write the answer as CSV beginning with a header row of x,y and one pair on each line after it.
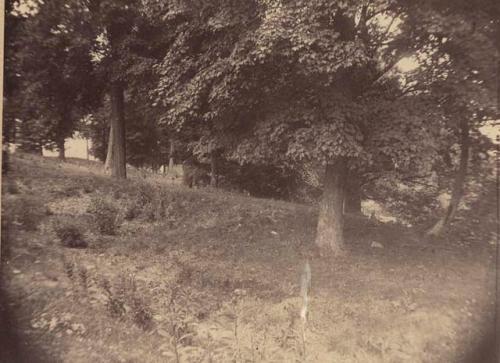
x,y
207,276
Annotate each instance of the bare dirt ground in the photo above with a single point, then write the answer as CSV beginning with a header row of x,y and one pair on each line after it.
x,y
216,278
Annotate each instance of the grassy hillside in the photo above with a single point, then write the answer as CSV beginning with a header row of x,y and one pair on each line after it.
x,y
206,276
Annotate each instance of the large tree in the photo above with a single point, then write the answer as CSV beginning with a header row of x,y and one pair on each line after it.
x,y
128,47
458,75
296,82
52,50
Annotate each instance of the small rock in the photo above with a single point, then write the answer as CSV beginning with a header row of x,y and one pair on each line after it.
x,y
274,233
412,307
376,245
158,317
15,271
67,316
76,327
163,333
53,323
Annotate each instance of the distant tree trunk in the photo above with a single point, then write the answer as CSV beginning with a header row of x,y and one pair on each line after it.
x,y
5,158
352,201
61,148
87,148
330,233
458,186
213,169
171,155
109,155
6,133
118,156
35,149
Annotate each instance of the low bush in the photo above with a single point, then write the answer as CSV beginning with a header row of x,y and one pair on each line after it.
x,y
88,186
11,188
70,235
124,300
105,214
147,202
25,212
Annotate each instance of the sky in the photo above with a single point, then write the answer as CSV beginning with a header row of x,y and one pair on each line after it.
x,y
75,148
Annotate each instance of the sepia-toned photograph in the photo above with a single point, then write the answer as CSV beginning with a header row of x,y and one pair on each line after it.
x,y
246,181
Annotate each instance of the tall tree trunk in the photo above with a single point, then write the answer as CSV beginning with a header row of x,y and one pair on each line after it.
x,y
35,149
109,155
118,156
61,149
5,157
352,201
87,148
6,139
38,150
458,186
330,229
213,169
171,155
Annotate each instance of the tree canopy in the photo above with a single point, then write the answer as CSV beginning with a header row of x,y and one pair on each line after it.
x,y
287,84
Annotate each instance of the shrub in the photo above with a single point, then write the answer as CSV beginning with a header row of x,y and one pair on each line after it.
x,y
69,269
409,203
88,187
115,303
69,235
123,299
26,212
105,215
263,181
132,211
142,315
11,188
148,202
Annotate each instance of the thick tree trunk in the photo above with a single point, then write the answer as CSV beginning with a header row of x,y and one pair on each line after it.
x,y
213,170
109,155
352,201
117,133
61,149
458,186
171,155
330,230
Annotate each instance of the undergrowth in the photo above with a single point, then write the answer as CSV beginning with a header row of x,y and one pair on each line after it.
x,y
70,234
106,215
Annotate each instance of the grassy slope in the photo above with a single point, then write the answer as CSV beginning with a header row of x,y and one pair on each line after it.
x,y
233,265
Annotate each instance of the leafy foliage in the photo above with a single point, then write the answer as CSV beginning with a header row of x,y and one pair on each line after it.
x,y
105,215
70,235
54,67
268,88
